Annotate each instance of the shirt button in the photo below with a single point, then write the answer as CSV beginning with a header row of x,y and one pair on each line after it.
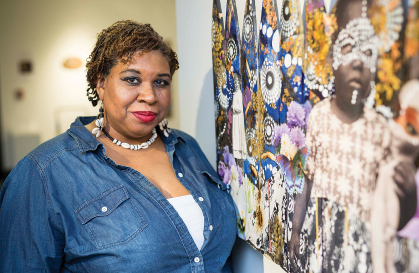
x,y
200,199
210,227
196,259
104,209
180,174
219,186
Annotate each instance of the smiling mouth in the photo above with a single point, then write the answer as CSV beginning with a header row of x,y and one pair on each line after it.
x,y
145,116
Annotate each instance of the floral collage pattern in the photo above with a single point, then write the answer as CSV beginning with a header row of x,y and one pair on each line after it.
x,y
267,85
319,27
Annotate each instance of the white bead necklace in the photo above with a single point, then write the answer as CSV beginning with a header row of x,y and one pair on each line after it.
x,y
134,147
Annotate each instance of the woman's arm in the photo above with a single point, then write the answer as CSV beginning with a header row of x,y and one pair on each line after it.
x,y
404,178
29,239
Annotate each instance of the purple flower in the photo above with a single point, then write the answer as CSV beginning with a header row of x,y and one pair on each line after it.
x,y
240,176
228,158
227,176
231,160
278,132
221,169
226,154
296,115
297,137
307,109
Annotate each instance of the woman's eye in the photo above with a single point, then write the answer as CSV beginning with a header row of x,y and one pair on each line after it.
x,y
162,83
368,52
346,49
132,80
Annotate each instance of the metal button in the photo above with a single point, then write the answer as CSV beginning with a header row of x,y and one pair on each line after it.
x,y
180,174
219,186
211,227
200,199
196,259
104,209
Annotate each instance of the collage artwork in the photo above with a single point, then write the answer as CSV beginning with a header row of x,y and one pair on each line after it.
x,y
317,130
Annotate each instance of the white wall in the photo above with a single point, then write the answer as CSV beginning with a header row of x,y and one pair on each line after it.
x,y
47,32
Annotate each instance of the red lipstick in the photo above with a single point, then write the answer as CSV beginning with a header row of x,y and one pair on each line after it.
x,y
145,116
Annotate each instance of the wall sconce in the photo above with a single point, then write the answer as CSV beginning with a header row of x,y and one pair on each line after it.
x,y
72,63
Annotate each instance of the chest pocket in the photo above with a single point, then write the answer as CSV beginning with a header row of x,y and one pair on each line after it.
x,y
111,218
220,192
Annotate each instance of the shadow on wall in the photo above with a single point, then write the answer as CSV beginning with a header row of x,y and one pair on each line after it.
x,y
205,128
247,259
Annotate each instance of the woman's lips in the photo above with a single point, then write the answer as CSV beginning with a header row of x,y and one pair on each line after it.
x,y
355,84
145,116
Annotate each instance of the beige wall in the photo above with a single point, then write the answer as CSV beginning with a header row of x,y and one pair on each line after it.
x,y
47,32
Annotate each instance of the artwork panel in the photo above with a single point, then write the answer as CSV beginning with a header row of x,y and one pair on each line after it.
x,y
310,131
271,183
222,98
238,137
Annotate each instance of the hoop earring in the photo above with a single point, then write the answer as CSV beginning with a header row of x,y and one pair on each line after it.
x,y
99,121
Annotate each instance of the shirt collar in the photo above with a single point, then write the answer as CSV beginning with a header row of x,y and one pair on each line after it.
x,y
88,142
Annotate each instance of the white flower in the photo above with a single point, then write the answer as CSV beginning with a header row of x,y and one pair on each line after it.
x,y
234,175
287,147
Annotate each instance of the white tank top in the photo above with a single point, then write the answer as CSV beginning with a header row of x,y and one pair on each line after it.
x,y
192,216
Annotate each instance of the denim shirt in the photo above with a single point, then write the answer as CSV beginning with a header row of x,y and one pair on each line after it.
x,y
67,207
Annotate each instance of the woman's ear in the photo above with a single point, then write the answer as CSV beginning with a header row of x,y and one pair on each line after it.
x,y
100,87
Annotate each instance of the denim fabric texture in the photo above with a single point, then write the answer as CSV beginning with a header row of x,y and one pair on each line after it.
x,y
67,207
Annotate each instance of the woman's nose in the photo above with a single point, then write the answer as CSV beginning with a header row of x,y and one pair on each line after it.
x,y
357,64
147,93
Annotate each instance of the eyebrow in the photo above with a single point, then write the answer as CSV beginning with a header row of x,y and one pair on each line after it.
x,y
138,72
131,70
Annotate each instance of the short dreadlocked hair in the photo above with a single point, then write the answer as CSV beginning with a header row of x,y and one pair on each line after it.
x,y
120,42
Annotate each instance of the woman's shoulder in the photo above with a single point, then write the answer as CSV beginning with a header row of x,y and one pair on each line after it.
x,y
183,135
48,150
373,116
322,105
189,147
185,139
77,137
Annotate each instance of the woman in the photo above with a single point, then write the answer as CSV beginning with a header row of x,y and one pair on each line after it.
x,y
348,143
120,193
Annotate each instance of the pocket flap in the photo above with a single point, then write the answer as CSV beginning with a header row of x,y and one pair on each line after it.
x,y
103,205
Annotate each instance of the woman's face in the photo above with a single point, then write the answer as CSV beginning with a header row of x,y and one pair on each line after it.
x,y
354,56
136,95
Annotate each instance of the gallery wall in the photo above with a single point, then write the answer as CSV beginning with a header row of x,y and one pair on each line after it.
x,y
38,105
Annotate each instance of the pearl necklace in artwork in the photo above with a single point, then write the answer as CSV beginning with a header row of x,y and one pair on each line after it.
x,y
134,147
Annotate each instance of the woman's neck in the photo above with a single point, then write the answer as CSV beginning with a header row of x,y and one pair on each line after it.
x,y
345,112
